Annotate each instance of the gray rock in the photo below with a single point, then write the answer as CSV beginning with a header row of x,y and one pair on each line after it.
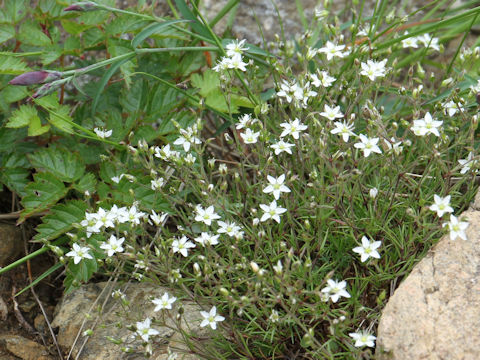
x,y
434,313
71,311
11,243
23,348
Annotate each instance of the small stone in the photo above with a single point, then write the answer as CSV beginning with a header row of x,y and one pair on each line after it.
x,y
24,348
11,243
434,312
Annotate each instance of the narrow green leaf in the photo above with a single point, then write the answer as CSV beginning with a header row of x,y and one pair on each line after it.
x,y
152,29
60,220
51,270
104,80
61,163
196,25
58,119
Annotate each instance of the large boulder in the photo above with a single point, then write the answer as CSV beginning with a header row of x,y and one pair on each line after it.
x,y
434,313
112,322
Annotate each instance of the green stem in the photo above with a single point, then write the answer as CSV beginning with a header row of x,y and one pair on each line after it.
x,y
31,256
184,48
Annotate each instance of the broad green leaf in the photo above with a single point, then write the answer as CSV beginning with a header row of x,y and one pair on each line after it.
x,y
152,29
15,179
31,34
208,82
22,117
14,159
241,101
50,56
35,128
60,163
60,220
14,10
41,194
13,93
92,37
86,183
124,23
74,28
7,32
8,137
58,116
10,65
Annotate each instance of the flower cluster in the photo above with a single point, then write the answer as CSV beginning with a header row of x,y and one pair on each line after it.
x,y
233,58
424,39
442,206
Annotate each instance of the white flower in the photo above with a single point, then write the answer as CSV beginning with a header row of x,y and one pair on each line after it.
x,y
144,330
90,224
134,216
343,129
211,318
207,238
228,228
468,163
336,289
165,153
396,147
182,245
292,128
363,339
282,146
272,211
427,40
441,205
373,192
157,218
332,50
157,183
222,65
113,245
105,218
116,179
245,121
250,137
236,47
323,79
373,69
236,62
410,42
451,108
368,145
278,268
276,186
206,215
368,249
456,228
79,252
188,138
274,317
103,133
165,302
332,113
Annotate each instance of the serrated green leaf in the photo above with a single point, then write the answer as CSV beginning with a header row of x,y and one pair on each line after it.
x,y
8,137
48,102
124,23
10,65
13,93
92,37
208,82
86,183
15,179
31,34
22,117
74,28
57,118
152,29
61,163
35,128
14,11
60,220
41,194
7,32
49,57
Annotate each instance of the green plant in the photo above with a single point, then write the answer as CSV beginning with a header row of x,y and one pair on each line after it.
x,y
179,167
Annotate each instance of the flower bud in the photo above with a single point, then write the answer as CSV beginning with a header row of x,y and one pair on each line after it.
x,y
373,192
36,77
82,6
